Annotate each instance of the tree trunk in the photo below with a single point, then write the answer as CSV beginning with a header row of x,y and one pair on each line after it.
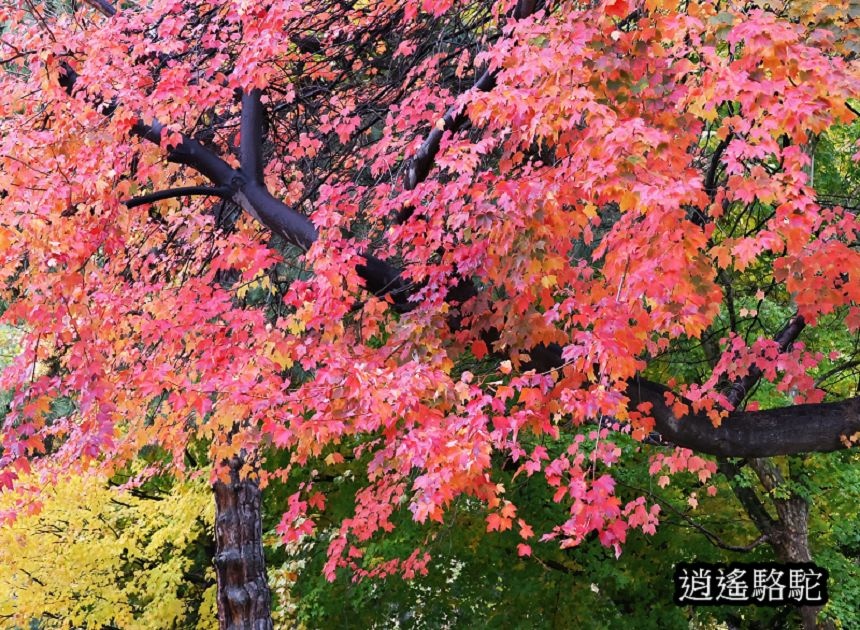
x,y
789,536
243,590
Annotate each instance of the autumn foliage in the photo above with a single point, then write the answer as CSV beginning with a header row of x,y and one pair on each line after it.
x,y
432,238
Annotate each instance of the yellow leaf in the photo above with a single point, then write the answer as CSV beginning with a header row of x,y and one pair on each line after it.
x,y
281,356
628,200
549,281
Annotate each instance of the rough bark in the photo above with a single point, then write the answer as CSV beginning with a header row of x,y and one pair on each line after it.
x,y
788,533
789,536
819,427
240,568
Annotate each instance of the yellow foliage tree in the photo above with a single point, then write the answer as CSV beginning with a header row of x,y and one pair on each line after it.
x,y
95,557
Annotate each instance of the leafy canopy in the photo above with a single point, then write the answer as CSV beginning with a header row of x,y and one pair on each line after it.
x,y
621,176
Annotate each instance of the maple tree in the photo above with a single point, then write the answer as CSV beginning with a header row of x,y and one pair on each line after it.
x,y
428,237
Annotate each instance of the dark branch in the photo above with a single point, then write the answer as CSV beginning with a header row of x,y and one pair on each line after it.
x,y
819,427
711,175
713,538
251,147
555,565
761,518
454,119
102,6
524,8
224,193
785,338
380,277
191,153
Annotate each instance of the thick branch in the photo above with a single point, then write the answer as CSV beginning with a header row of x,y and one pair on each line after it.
x,y
191,153
257,201
250,193
524,8
819,427
453,120
251,149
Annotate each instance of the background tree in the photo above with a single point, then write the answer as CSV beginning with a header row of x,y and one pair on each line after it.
x,y
90,558
470,233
